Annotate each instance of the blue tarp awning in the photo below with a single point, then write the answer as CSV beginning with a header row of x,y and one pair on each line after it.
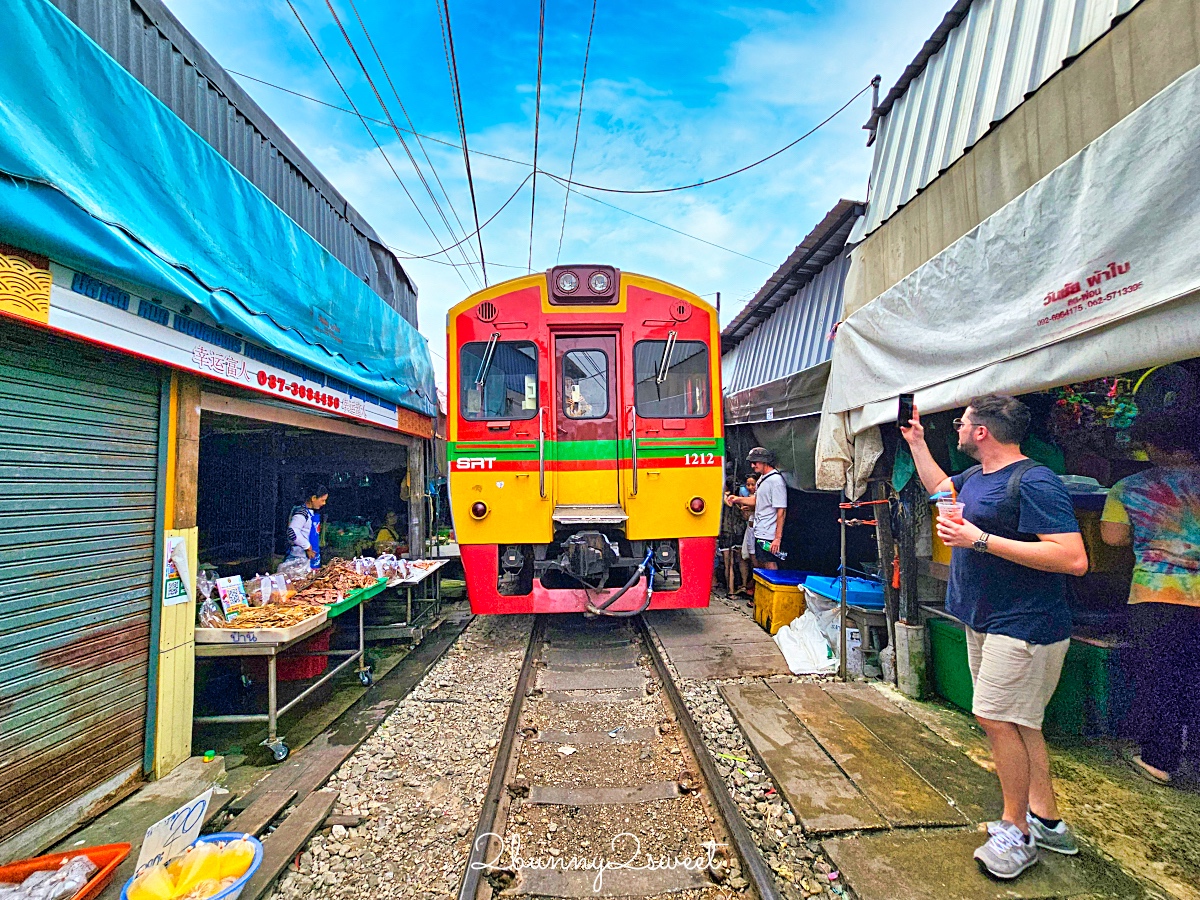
x,y
96,173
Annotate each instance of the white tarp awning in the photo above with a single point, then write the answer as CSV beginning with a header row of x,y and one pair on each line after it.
x,y
1093,270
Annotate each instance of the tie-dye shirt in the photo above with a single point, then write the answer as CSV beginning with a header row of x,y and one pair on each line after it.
x,y
1162,506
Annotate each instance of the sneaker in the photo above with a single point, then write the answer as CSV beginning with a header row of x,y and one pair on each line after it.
x,y
1058,839
1007,853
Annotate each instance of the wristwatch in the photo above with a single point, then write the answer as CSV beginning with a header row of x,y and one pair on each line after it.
x,y
980,545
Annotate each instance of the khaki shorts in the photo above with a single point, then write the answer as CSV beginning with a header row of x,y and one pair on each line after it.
x,y
1014,679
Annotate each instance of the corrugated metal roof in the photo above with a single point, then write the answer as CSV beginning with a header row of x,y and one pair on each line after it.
x,y
981,63
823,244
795,337
151,44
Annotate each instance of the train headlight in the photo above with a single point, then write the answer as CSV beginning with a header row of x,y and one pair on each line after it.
x,y
568,282
598,282
696,505
479,509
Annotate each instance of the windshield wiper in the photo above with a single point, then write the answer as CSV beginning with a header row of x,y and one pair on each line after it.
x,y
665,366
486,363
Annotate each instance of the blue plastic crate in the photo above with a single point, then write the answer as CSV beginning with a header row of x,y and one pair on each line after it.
x,y
860,592
779,576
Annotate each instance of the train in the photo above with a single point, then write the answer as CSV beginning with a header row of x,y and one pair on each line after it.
x,y
585,443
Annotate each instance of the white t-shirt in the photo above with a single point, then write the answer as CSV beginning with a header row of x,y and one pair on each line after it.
x,y
769,498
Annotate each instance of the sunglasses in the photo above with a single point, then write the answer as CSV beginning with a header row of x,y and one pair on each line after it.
x,y
959,423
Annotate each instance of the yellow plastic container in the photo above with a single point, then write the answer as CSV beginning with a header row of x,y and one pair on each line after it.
x,y
778,597
941,553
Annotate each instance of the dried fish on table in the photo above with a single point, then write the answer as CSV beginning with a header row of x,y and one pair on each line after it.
x,y
339,575
318,595
274,616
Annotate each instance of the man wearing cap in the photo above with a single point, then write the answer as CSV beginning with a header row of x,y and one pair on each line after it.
x,y
770,508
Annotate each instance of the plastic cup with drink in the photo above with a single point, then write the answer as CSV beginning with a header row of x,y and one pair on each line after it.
x,y
949,507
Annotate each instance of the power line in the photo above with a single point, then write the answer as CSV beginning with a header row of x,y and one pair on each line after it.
x,y
519,162
560,178
510,199
627,212
412,127
685,187
537,119
400,137
427,137
587,52
370,133
448,43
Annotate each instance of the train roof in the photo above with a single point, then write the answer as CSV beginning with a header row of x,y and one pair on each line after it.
x,y
539,278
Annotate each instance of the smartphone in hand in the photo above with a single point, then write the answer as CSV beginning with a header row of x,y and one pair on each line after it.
x,y
905,414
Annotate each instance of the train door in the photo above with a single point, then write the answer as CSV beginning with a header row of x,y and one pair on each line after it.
x,y
586,420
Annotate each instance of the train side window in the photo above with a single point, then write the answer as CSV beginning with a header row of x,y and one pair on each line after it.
x,y
510,380
675,388
585,384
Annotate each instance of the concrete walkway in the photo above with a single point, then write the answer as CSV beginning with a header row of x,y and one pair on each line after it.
x,y
901,807
718,641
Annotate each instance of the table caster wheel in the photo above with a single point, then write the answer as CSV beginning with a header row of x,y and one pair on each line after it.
x,y
365,677
279,750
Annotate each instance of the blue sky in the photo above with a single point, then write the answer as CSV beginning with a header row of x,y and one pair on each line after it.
x,y
676,92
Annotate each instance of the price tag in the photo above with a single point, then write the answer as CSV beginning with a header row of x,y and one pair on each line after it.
x,y
169,837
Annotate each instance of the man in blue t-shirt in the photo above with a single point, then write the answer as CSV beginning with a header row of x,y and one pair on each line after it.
x,y
1017,541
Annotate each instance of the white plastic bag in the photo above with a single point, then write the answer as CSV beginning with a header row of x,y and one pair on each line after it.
x,y
805,648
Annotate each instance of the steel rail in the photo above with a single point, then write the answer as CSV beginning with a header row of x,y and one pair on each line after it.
x,y
753,863
491,800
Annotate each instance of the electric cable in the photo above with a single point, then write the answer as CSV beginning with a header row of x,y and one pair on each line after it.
x,y
452,62
427,137
560,178
587,52
537,119
371,134
707,181
391,122
520,162
654,222
412,127
510,199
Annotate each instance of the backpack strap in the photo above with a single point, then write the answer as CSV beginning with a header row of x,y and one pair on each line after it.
x,y
1012,494
971,472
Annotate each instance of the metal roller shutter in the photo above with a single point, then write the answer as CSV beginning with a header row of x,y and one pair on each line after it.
x,y
78,474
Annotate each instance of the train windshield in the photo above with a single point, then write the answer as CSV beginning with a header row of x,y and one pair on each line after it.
x,y
684,391
509,389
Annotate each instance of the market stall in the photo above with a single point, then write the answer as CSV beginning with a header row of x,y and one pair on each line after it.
x,y
1084,432
287,612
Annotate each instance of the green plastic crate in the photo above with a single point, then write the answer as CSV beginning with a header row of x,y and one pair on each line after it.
x,y
1081,702
949,669
356,597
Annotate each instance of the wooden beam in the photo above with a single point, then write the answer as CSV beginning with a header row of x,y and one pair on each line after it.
x,y
186,462
265,412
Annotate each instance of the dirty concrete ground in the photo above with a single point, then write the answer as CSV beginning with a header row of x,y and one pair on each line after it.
x,y
1151,831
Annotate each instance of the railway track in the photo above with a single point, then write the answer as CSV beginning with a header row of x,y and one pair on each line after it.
x,y
602,785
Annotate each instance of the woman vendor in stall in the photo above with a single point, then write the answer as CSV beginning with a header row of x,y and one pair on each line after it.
x,y
304,527
388,535
1158,512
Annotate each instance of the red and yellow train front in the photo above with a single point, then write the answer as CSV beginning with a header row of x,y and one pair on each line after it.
x,y
585,444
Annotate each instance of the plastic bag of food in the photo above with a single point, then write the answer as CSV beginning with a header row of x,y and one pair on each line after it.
x,y
153,884
294,569
260,590
211,615
201,863
236,857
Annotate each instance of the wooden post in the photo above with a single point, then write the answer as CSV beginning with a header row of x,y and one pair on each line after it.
x,y
416,499
887,551
176,642
913,501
